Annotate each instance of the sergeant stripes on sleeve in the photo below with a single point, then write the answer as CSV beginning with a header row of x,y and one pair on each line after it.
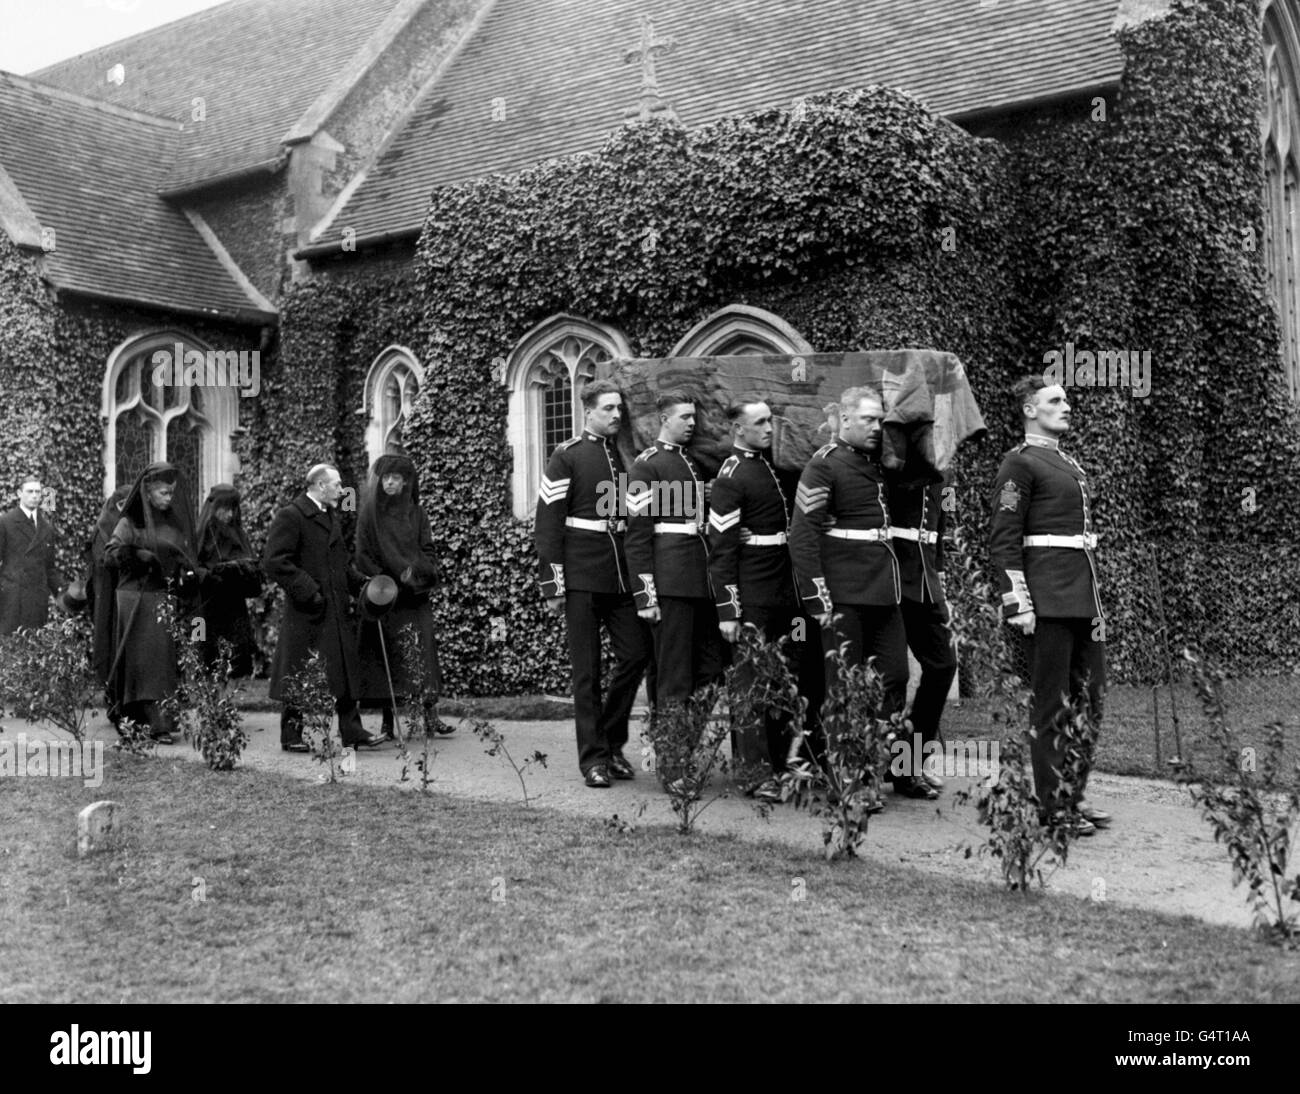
x,y
722,522
810,498
553,490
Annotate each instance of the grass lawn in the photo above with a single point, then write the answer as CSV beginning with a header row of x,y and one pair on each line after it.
x,y
346,893
1127,742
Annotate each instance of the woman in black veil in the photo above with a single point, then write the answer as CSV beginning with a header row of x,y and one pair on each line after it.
x,y
152,549
102,595
233,575
393,538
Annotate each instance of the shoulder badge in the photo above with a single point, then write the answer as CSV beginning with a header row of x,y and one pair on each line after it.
x,y
647,453
1009,499
729,465
569,443
824,451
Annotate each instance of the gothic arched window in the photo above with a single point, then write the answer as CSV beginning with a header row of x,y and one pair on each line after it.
x,y
740,329
389,393
167,396
1281,137
545,374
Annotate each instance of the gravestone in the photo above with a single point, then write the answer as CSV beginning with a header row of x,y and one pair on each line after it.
x,y
95,826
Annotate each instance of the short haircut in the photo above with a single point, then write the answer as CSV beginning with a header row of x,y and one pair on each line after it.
x,y
738,406
592,391
669,399
852,396
29,478
318,472
1026,389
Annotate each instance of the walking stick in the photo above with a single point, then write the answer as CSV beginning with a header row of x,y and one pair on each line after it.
x,y
388,675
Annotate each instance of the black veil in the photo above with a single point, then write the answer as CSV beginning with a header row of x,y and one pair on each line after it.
x,y
388,526
168,533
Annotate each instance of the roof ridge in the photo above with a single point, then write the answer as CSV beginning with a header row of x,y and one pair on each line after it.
x,y
367,55
84,100
398,125
195,16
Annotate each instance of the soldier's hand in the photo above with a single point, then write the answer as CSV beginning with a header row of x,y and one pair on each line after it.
x,y
1025,621
554,604
730,629
650,615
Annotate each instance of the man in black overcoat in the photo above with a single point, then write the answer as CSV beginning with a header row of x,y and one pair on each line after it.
x,y
28,573
306,556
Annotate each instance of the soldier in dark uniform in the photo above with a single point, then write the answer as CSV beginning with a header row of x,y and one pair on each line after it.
x,y
845,570
916,534
1041,543
579,534
753,584
668,555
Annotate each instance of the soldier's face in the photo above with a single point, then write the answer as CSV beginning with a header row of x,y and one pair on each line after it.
x,y
861,428
754,427
29,494
604,418
1050,409
679,423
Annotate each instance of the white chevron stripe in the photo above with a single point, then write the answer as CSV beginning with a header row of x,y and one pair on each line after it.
x,y
721,522
553,490
810,498
638,503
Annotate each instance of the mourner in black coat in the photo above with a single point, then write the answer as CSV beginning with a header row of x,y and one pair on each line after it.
x,y
28,573
101,587
233,575
393,538
306,556
152,551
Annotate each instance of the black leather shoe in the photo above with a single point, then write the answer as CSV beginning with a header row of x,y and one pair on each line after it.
x,y
441,728
915,787
598,778
620,768
295,746
1099,817
373,741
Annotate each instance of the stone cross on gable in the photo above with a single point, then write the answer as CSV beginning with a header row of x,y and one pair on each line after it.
x,y
646,53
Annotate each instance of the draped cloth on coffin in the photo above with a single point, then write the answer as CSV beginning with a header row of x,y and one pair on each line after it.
x,y
929,408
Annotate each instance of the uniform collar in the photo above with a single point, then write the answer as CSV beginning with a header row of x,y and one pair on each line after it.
x,y
668,446
588,435
746,453
1035,441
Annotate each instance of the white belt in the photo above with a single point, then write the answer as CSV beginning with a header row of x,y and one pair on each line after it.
x,y
916,535
870,534
776,539
1087,540
595,525
677,530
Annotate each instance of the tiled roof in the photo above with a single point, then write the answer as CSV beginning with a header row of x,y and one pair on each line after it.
x,y
558,65
258,65
91,172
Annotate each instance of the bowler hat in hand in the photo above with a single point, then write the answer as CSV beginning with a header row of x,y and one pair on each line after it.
x,y
377,596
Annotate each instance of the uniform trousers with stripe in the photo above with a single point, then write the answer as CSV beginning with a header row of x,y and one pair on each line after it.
x,y
930,640
767,747
871,631
601,715
1067,667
